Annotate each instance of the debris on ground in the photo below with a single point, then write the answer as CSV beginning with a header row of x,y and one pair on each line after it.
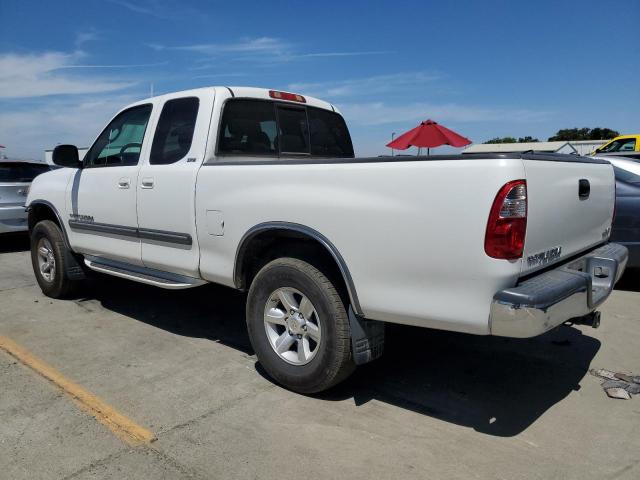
x,y
614,384
618,393
634,388
602,373
618,385
624,377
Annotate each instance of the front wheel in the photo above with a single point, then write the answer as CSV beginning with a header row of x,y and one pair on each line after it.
x,y
298,326
51,261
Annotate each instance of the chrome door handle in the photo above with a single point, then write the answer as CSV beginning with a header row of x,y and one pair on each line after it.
x,y
147,183
124,183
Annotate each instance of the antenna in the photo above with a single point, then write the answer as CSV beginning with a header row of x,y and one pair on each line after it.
x,y
151,90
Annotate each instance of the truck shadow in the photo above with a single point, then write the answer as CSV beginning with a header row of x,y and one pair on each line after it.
x,y
494,385
630,281
14,242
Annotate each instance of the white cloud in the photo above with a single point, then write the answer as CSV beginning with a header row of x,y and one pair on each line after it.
x,y
161,9
251,45
373,85
268,49
85,37
49,98
151,8
380,113
37,75
342,54
76,120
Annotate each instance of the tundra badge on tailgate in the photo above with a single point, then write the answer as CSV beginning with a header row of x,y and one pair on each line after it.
x,y
545,257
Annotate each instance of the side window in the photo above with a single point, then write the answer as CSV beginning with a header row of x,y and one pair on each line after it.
x,y
329,134
248,127
294,131
120,143
629,145
174,134
622,145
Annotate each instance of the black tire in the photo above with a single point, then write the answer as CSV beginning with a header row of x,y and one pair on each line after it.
x,y
66,266
333,361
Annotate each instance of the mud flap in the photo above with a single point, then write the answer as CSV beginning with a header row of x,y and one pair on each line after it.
x,y
74,266
367,338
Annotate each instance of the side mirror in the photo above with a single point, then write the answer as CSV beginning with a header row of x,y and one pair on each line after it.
x,y
66,156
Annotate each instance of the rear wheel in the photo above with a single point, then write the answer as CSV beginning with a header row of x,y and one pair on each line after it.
x,y
298,326
51,260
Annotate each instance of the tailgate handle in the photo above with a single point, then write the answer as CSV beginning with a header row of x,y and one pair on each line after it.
x,y
584,188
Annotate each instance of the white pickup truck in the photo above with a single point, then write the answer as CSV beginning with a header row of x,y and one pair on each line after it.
x,y
259,190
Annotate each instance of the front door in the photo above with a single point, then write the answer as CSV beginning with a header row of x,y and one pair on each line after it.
x,y
102,198
166,185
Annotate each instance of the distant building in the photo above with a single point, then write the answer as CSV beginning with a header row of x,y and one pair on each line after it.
x,y
48,154
5,158
578,147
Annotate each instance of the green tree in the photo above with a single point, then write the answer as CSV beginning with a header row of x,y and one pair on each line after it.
x,y
584,134
502,140
512,140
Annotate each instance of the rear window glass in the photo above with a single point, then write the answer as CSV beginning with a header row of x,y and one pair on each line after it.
x,y
329,134
248,127
174,133
21,172
264,128
293,130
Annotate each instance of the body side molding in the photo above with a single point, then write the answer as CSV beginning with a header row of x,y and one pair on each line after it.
x,y
145,233
303,229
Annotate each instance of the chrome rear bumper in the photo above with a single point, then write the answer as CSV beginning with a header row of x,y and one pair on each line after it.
x,y
547,300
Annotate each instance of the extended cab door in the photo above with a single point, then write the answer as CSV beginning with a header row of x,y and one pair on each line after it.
x,y
101,200
166,184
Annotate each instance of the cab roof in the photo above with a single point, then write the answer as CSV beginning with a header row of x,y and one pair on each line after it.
x,y
245,92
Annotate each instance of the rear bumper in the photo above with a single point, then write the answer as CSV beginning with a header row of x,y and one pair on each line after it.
x,y
547,300
13,219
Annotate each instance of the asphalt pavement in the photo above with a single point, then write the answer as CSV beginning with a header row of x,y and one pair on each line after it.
x,y
179,363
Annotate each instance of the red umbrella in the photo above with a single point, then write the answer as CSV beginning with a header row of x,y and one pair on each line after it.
x,y
428,134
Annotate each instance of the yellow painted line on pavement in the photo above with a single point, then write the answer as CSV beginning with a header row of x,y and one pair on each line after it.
x,y
122,426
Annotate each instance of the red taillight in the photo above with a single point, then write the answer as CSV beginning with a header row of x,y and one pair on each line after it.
x,y
293,97
507,223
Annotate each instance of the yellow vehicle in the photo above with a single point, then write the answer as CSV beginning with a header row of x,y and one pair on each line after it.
x,y
623,143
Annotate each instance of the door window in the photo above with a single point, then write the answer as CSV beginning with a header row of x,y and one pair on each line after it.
x,y
174,134
120,143
621,145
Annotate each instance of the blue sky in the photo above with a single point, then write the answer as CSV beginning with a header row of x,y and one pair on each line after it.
x,y
484,68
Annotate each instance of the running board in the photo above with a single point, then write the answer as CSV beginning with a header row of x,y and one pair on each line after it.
x,y
149,276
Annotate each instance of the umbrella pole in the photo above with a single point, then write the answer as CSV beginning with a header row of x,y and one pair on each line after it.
x,y
393,134
419,149
428,151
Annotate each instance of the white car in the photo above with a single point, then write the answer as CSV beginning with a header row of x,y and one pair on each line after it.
x,y
259,190
15,178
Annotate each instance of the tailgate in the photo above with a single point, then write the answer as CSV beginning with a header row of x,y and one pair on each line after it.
x,y
560,221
